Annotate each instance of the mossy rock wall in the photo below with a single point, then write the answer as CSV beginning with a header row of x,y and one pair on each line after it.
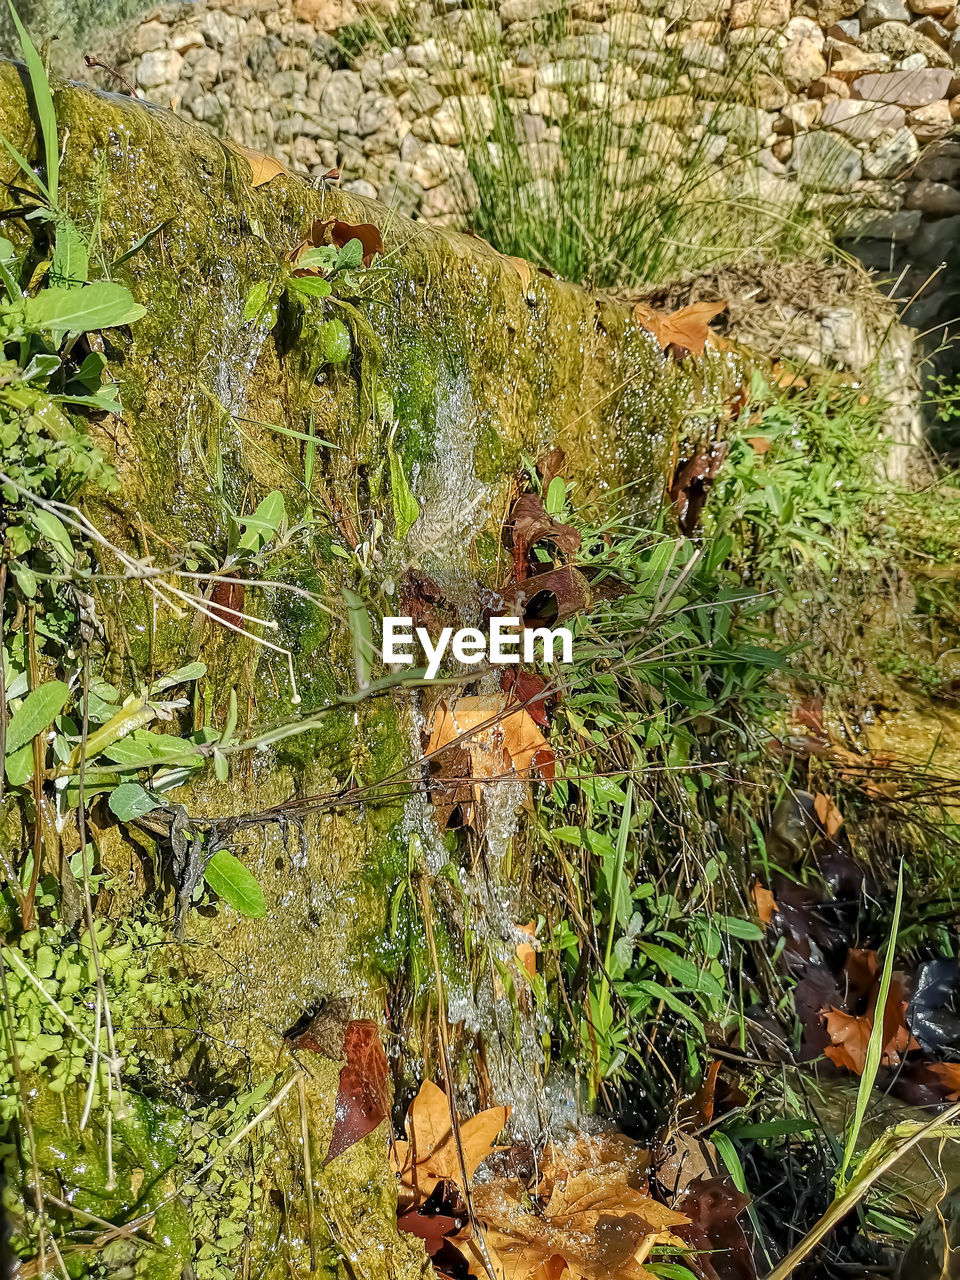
x,y
463,364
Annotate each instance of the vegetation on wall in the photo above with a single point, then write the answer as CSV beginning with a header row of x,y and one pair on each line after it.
x,y
672,881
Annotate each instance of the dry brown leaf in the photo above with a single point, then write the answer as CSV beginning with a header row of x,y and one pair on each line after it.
x,y
592,1228
850,1032
500,741
429,1153
828,815
523,269
683,331
264,167
765,903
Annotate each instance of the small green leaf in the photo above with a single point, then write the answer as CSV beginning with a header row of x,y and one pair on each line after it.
x,y
230,880
19,766
26,578
312,286
71,263
321,256
131,800
406,509
37,712
556,496
221,766
103,305
259,528
141,749
183,675
351,255
55,532
362,633
334,340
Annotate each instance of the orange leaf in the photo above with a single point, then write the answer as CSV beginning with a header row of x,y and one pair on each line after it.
x,y
499,741
765,902
687,329
264,167
429,1154
828,815
526,952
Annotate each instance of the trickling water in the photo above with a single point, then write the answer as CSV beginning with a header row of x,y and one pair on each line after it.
x,y
453,503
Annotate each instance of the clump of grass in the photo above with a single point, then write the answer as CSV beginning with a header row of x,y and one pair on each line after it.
x,y
630,178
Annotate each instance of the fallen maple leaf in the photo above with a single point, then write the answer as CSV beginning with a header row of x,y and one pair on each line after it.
x,y
500,741
683,331
429,1153
850,1032
925,1084
592,1228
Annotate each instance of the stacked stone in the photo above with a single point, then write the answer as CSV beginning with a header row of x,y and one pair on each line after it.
x,y
850,110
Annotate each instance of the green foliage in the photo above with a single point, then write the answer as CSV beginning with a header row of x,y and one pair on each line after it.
x,y
229,879
52,1025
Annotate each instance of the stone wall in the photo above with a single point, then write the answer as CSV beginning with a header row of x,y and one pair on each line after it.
x,y
849,112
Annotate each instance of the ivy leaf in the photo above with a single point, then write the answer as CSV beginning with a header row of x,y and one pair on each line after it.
x,y
103,305
37,712
130,800
230,880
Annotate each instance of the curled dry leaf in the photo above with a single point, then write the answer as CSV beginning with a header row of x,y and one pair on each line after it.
x,y
551,597
550,465
529,523
428,1155
682,332
691,484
